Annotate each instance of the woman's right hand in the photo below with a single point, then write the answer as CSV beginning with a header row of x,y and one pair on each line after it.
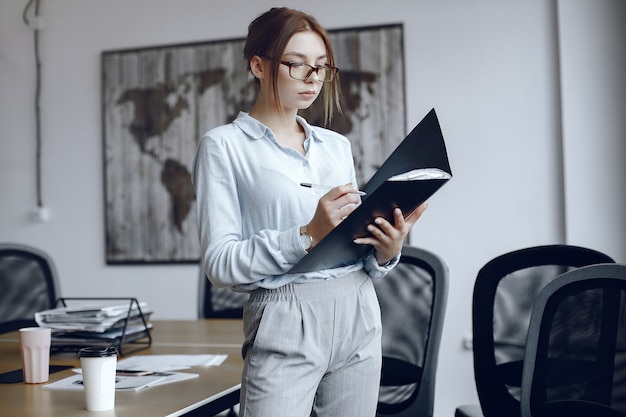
x,y
332,208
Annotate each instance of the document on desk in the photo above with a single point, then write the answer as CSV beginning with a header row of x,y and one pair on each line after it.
x,y
171,362
415,171
124,383
155,370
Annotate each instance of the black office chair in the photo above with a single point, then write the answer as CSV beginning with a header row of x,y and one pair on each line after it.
x,y
575,360
413,300
28,284
218,303
504,294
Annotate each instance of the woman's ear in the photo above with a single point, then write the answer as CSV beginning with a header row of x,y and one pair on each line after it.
x,y
257,67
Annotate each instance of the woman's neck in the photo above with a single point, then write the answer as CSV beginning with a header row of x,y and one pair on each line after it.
x,y
285,127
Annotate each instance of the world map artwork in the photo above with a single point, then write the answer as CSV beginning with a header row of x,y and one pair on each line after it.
x,y
154,113
157,103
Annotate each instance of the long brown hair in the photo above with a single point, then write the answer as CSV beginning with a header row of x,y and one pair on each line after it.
x,y
268,36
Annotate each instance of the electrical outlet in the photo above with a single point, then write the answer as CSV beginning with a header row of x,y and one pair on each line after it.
x,y
41,214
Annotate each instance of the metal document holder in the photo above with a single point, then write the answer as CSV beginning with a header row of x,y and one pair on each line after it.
x,y
124,342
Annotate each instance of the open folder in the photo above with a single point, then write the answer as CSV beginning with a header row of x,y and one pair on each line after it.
x,y
415,170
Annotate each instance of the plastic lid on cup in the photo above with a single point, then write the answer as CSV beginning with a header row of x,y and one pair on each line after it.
x,y
97,352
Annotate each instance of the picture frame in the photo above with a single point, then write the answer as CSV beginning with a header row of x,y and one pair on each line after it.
x,y
158,101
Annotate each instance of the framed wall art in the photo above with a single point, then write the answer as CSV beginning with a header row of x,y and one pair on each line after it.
x,y
158,101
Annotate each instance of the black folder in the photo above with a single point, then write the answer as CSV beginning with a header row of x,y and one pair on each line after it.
x,y
423,149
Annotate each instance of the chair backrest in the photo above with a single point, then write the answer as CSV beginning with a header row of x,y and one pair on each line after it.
x,y
214,302
575,361
28,284
504,294
412,300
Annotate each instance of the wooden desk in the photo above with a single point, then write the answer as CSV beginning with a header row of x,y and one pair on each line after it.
x,y
216,389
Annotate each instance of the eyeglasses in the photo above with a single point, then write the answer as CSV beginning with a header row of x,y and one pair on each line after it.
x,y
301,71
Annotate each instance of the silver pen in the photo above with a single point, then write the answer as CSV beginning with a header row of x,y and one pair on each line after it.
x,y
326,187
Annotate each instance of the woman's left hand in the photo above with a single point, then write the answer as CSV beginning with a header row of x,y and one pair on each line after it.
x,y
388,238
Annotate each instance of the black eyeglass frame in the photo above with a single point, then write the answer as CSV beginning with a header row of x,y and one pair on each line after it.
x,y
312,69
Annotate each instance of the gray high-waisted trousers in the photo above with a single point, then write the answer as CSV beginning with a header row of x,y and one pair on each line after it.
x,y
312,349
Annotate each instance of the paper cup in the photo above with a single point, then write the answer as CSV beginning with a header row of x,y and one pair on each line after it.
x,y
35,349
98,367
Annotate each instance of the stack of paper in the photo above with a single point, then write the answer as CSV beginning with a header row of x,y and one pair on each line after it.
x,y
99,317
96,323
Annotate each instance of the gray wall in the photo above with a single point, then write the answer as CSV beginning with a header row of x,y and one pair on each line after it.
x,y
529,95
593,79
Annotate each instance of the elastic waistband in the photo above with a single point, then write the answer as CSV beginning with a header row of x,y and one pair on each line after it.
x,y
317,290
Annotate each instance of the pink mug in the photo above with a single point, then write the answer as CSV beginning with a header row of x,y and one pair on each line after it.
x,y
35,348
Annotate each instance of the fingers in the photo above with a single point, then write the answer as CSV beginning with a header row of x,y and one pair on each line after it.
x,y
343,190
416,214
388,238
339,202
386,234
332,208
400,223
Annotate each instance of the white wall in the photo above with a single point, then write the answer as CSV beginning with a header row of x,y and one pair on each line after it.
x,y
593,76
490,68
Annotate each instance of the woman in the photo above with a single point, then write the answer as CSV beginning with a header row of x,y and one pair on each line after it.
x,y
312,341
